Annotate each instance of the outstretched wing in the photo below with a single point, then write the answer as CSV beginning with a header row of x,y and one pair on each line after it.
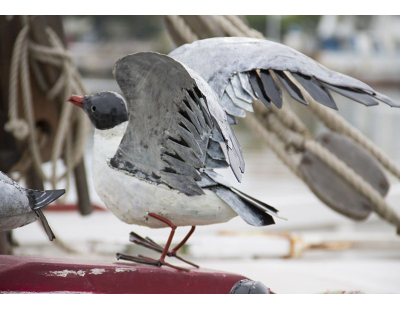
x,y
242,69
175,130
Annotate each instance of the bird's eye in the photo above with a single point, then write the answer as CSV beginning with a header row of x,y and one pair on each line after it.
x,y
93,108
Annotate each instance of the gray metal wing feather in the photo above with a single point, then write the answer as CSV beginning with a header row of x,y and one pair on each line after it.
x,y
176,125
222,131
240,68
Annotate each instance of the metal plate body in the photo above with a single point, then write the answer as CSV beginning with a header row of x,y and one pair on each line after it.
x,y
335,191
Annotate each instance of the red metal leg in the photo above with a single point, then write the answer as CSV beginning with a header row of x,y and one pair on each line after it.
x,y
172,253
175,249
171,235
150,244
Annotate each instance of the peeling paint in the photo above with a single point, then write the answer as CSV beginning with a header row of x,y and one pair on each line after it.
x,y
65,273
124,269
97,271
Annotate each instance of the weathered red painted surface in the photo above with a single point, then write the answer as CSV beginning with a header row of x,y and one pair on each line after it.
x,y
33,274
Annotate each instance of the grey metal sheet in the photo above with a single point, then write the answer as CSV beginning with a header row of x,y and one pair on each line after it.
x,y
272,90
291,88
363,98
316,90
230,107
225,57
257,85
237,101
217,59
173,113
245,81
250,214
240,93
386,100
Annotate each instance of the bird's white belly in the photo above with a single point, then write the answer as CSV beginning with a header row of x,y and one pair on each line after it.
x,y
131,198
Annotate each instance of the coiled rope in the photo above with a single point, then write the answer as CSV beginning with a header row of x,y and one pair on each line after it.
x,y
26,55
282,130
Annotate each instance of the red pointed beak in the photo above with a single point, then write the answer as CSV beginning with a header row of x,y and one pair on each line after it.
x,y
77,100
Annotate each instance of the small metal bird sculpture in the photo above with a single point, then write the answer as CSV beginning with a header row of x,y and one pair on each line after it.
x,y
20,206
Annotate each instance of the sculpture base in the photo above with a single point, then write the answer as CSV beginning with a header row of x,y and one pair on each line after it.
x,y
23,274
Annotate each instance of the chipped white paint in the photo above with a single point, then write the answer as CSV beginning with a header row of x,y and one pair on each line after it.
x,y
124,269
131,198
65,273
97,271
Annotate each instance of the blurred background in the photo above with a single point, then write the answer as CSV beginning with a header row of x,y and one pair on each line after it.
x,y
316,250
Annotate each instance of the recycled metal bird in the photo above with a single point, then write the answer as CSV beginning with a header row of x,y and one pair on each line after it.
x,y
154,153
20,206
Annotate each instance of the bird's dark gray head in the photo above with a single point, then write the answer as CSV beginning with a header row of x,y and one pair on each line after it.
x,y
105,110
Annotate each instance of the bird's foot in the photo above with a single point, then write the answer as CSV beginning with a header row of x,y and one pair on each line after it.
x,y
150,244
148,261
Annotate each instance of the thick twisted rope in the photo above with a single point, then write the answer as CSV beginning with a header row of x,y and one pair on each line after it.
x,y
274,143
186,32
237,22
287,128
338,123
302,142
68,82
17,126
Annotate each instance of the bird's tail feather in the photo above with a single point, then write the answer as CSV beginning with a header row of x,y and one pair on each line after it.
x,y
257,203
252,211
40,199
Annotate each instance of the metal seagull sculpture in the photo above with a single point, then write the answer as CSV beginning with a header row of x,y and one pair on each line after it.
x,y
154,153
20,206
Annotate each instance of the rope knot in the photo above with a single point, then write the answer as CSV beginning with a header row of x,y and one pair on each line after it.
x,y
18,127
